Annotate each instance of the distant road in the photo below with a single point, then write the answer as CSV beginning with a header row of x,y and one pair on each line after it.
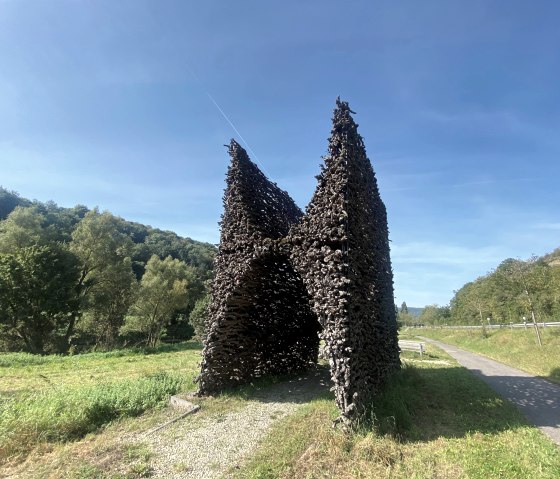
x,y
536,398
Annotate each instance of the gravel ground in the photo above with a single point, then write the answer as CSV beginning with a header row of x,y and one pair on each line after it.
x,y
206,448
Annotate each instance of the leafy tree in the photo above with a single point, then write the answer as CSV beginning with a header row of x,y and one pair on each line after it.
x,y
167,243
162,292
107,303
530,280
8,202
472,304
23,227
198,316
554,290
60,221
37,297
112,256
435,315
404,308
105,280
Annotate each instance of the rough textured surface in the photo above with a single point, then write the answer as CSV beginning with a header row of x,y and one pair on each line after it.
x,y
341,249
282,277
260,317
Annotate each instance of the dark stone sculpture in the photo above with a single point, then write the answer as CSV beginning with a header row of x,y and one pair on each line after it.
x,y
284,279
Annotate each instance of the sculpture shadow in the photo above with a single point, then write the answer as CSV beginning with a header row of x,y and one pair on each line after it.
x,y
296,388
421,404
536,398
554,375
451,402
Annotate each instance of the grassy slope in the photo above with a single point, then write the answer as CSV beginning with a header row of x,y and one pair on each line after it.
x,y
443,423
52,399
517,347
22,372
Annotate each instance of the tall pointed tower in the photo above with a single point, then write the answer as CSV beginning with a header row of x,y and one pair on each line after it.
x,y
341,250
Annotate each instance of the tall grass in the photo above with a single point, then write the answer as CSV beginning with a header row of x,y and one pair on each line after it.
x,y
392,412
71,412
433,420
517,347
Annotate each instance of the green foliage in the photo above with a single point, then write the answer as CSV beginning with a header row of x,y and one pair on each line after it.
x,y
98,243
162,292
111,254
510,292
435,315
60,221
8,202
37,296
167,243
199,315
69,413
106,277
146,240
404,308
24,227
108,302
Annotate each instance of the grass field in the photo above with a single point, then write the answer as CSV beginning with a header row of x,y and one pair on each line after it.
x,y
435,420
517,347
23,372
48,399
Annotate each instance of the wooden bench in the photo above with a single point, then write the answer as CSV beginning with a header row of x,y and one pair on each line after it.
x,y
416,346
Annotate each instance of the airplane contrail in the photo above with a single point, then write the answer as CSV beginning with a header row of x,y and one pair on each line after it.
x,y
220,109
237,131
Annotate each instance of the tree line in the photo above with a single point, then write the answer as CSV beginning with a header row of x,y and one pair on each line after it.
x,y
73,279
515,291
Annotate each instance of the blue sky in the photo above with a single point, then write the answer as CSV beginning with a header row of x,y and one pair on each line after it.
x,y
109,103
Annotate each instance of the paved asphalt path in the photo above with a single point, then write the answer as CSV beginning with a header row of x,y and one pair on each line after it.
x,y
536,398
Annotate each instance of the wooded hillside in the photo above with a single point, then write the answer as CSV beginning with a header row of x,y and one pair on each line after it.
x,y
505,295
75,278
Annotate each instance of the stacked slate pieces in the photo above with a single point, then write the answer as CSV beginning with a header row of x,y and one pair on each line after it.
x,y
281,277
341,250
260,321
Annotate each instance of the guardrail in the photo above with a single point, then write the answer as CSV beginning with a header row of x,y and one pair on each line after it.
x,y
493,326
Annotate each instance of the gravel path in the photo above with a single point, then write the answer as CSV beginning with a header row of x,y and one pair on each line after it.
x,y
537,399
205,448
